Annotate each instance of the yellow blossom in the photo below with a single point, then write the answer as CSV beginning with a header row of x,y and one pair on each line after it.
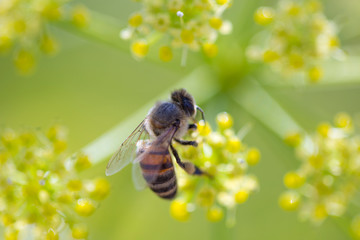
x,y
289,201
179,211
225,159
165,54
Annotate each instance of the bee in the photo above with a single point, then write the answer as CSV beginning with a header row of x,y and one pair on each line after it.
x,y
148,147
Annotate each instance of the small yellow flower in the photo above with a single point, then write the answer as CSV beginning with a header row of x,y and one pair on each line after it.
x,y
100,188
293,180
214,214
25,61
210,49
74,185
264,15
315,74
84,207
49,45
204,128
178,210
343,120
187,36
140,48
241,196
323,129
293,139
270,56
135,20
289,201
165,54
222,2
82,162
79,231
316,161
215,22
320,212
224,120
233,145
206,197
253,156
80,16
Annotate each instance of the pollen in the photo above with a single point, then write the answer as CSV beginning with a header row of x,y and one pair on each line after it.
x,y
140,48
215,22
84,207
253,156
210,49
264,16
165,54
187,36
135,20
224,120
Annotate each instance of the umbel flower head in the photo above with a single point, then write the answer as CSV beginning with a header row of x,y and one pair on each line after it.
x,y
298,38
224,156
328,178
182,24
41,192
24,28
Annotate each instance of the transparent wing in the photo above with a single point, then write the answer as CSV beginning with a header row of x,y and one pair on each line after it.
x,y
126,153
153,155
137,177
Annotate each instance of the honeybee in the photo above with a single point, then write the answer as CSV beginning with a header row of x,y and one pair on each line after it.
x,y
148,146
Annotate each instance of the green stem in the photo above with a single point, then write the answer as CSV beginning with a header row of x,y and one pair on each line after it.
x,y
199,83
259,103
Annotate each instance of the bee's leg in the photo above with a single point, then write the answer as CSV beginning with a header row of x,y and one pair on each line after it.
x,y
183,142
192,126
189,167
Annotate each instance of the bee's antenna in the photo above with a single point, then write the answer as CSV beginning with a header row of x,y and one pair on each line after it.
x,y
202,112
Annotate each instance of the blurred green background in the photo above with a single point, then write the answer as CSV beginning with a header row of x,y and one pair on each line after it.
x,y
90,87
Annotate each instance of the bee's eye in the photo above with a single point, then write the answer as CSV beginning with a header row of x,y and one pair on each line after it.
x,y
188,107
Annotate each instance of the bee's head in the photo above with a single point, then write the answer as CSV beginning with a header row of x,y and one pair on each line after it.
x,y
186,102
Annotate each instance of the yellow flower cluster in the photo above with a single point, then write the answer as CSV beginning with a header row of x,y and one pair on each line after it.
x,y
329,175
182,24
226,159
23,28
41,192
298,38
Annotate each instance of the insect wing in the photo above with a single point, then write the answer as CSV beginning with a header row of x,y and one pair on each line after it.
x,y
137,177
126,152
156,156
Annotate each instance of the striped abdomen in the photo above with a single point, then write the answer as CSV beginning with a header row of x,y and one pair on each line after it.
x,y
158,171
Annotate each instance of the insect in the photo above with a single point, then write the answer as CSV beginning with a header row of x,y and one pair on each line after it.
x,y
148,147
